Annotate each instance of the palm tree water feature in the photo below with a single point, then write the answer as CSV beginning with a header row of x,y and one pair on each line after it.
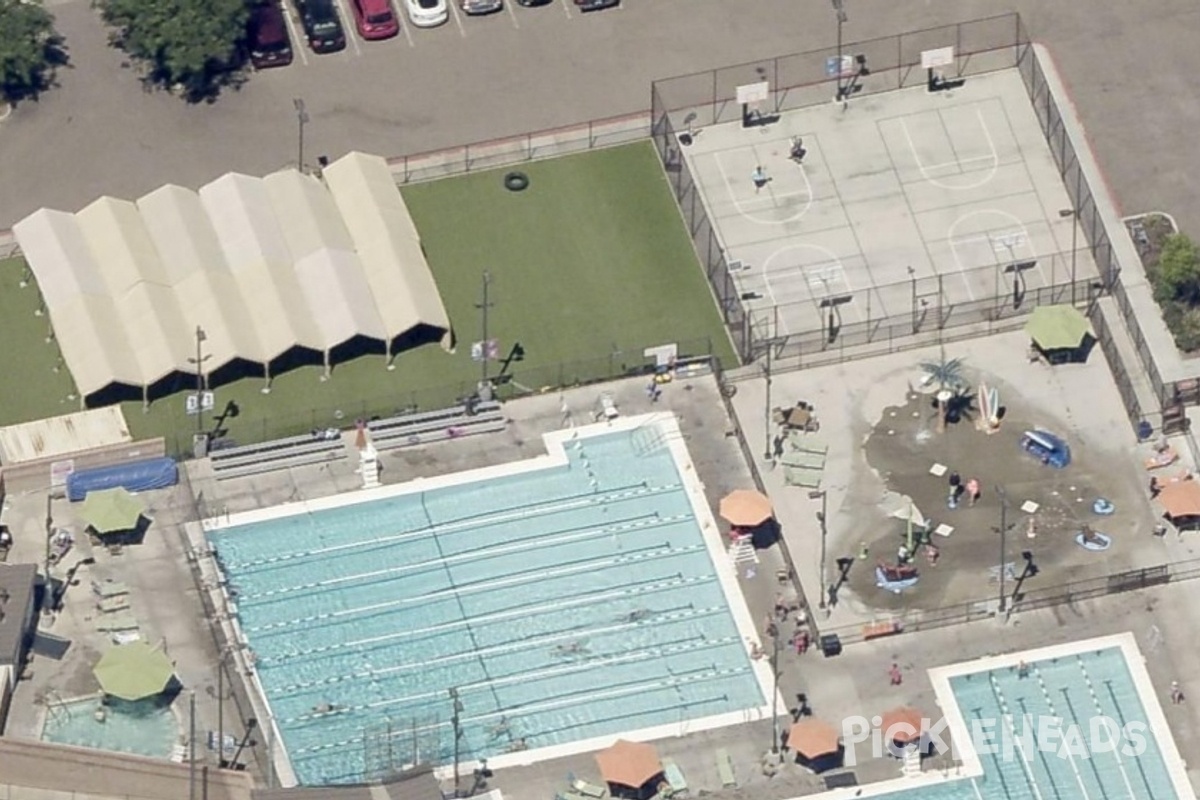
x,y
929,501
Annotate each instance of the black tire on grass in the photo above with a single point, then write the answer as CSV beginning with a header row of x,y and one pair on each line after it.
x,y
516,181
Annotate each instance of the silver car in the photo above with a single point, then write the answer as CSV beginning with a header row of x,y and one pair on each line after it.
x,y
477,7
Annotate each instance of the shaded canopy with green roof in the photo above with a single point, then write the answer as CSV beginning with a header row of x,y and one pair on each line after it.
x,y
134,671
1057,327
110,510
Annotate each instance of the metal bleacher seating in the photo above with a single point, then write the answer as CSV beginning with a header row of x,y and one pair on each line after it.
x,y
294,451
406,430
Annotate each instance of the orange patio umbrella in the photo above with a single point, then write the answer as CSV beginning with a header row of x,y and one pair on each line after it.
x,y
903,725
813,738
746,508
631,764
1181,498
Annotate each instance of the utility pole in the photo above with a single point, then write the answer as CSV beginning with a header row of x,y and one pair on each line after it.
x,y
1003,543
301,119
822,518
455,722
769,452
483,307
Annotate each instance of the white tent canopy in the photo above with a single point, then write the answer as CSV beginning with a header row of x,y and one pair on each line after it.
x,y
387,243
262,266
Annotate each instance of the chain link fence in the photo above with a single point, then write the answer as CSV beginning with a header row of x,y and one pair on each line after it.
x,y
799,80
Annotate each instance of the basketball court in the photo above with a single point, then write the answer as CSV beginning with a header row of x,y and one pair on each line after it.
x,y
903,201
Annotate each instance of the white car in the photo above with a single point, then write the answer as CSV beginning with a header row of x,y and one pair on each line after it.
x,y
427,13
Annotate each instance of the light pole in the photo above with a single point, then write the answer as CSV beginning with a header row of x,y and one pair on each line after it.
x,y
301,119
769,453
483,307
1073,215
191,745
456,723
199,360
1003,495
775,693
822,517
841,19
912,279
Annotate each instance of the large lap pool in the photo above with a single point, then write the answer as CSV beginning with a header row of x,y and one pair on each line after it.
x,y
582,595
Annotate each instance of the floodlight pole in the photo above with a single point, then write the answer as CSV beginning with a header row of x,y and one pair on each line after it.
x,y
840,11
1003,542
201,337
775,694
1073,214
455,722
192,745
769,452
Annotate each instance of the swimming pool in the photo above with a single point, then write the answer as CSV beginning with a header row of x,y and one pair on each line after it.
x,y
146,727
581,595
1110,738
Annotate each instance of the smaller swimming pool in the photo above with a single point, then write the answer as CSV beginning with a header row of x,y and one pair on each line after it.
x,y
145,727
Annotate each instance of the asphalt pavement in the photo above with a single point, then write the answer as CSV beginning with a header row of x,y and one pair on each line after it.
x,y
100,132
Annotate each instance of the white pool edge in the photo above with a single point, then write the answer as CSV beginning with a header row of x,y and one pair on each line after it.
x,y
556,443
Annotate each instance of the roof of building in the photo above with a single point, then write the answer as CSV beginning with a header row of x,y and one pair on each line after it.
x,y
63,436
17,583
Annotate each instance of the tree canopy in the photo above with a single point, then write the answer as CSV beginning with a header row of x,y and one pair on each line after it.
x,y
190,45
30,50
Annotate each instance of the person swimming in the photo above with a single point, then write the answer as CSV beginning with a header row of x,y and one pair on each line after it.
x,y
637,615
501,728
569,649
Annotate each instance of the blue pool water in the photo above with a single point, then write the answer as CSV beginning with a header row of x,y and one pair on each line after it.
x,y
561,604
1075,689
145,727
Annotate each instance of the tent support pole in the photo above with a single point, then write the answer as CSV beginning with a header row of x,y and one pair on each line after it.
x,y
266,377
145,399
327,367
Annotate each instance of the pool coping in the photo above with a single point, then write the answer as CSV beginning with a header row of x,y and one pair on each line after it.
x,y
970,765
666,427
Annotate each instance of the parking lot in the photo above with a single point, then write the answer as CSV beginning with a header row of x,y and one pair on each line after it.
x,y
531,69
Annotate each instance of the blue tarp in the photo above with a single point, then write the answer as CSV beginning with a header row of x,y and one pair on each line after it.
x,y
136,476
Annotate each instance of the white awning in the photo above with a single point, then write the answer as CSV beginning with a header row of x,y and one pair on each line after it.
x,y
387,243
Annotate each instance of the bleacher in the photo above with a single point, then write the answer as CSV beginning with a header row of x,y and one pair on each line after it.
x,y
294,451
407,430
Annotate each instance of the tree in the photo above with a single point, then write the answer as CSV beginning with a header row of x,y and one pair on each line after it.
x,y
1177,277
30,50
947,374
192,46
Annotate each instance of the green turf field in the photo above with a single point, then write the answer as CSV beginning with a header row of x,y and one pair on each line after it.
x,y
589,265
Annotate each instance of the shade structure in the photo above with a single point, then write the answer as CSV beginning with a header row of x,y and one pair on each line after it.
x,y
904,724
746,507
111,510
134,671
631,764
1181,499
813,738
1057,327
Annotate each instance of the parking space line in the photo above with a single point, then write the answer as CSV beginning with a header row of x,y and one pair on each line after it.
x,y
350,22
566,4
457,18
405,26
296,32
508,6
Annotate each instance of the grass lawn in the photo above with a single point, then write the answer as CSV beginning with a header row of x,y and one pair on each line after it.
x,y
589,265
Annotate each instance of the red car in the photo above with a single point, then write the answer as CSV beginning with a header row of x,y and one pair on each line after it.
x,y
375,18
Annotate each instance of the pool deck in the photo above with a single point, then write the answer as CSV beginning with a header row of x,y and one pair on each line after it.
x,y
665,428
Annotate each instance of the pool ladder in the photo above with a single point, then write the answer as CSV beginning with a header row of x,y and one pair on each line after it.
x,y
56,707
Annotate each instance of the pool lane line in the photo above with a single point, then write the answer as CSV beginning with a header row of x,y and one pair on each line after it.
x,y
533,542
574,503
542,641
330,648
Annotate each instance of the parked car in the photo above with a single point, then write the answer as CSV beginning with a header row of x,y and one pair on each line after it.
x,y
476,7
427,13
375,18
596,5
267,37
534,2
322,25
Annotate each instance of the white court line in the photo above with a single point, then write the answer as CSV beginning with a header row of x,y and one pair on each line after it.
x,y
298,38
508,6
457,19
1018,226
770,198
566,6
832,259
349,20
941,185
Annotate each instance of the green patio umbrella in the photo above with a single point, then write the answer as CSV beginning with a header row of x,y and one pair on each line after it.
x,y
1057,327
134,671
111,510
